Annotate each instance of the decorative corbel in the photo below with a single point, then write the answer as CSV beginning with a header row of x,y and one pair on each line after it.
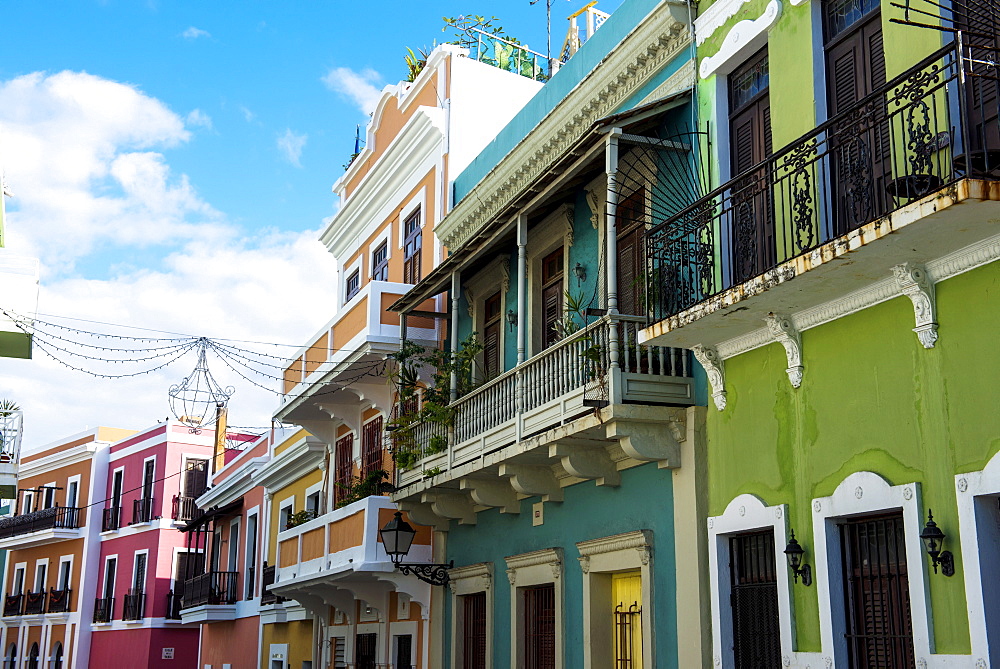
x,y
784,332
710,359
505,272
568,214
470,301
913,282
595,200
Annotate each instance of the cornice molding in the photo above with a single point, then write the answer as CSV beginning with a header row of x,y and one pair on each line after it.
x,y
482,570
618,542
545,556
233,486
291,464
657,41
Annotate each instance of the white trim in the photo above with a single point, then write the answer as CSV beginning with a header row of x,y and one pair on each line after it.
x,y
742,40
314,489
859,494
64,559
530,569
41,562
468,581
977,494
233,547
416,203
69,481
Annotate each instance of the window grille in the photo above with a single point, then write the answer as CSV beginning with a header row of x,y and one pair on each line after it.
x,y
754,600
365,651
474,631
627,620
342,467
540,627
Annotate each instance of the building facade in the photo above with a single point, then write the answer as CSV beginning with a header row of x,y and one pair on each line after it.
x,y
836,280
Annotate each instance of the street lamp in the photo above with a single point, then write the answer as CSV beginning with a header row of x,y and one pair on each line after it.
x,y
794,553
397,537
933,538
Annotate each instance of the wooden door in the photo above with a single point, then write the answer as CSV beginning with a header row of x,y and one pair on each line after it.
x,y
553,269
752,219
473,631
631,229
492,355
539,626
861,160
371,447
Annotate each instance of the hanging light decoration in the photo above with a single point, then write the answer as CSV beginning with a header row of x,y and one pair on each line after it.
x,y
196,400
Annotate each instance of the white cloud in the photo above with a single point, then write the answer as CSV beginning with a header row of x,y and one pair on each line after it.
x,y
247,114
198,118
291,144
361,88
194,33
88,160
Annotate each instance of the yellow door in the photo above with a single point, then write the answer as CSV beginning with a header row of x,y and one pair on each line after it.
x,y
626,601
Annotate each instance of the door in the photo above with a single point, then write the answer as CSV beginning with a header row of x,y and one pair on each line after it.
x,y
631,229
491,337
752,219
539,627
344,461
364,651
626,600
876,593
553,269
371,447
754,600
116,493
251,556
148,477
861,161
195,478
982,37
473,631
72,492
404,651
110,569
188,566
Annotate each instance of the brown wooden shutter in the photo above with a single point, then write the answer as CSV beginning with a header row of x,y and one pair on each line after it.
x,y
473,631
343,466
540,627
195,478
552,307
371,446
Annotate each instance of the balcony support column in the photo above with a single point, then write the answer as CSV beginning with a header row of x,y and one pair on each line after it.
x,y
522,319
456,296
611,246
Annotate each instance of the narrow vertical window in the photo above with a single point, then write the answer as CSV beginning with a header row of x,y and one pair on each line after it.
x,y
412,244
371,447
380,262
553,268
473,630
343,465
492,327
353,285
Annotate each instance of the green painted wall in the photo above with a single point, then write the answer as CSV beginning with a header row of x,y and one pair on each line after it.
x,y
872,399
643,501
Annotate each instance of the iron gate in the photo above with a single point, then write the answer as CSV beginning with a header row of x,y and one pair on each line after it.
x,y
754,600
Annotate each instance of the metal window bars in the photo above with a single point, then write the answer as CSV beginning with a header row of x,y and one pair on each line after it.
x,y
34,603
104,608
627,619
134,605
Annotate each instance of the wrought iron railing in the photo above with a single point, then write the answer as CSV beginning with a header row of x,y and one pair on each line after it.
x,y
112,519
34,603
12,605
916,134
214,587
56,517
134,606
173,606
184,509
267,580
104,609
142,510
59,600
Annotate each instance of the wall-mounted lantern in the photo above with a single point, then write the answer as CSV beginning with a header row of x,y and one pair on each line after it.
x,y
397,537
580,272
511,319
933,539
794,553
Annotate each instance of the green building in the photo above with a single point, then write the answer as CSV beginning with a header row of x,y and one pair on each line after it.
x,y
837,281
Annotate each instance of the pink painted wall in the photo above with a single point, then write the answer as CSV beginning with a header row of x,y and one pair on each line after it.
x,y
143,647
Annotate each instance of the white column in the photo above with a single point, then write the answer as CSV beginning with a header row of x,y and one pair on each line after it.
x,y
456,296
611,238
522,288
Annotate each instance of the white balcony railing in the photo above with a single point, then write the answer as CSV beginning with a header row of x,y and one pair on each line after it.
x,y
601,364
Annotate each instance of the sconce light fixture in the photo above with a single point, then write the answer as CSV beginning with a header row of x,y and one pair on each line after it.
x,y
580,272
511,319
397,537
794,553
933,538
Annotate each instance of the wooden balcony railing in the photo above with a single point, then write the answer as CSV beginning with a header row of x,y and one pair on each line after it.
x,y
267,580
56,517
59,600
213,588
184,509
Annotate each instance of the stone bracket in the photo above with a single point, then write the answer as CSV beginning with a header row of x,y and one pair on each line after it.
x,y
423,514
496,493
533,481
457,506
914,282
649,442
587,463
785,333
710,359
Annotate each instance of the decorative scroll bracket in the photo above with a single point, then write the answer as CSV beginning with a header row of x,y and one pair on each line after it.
x,y
709,358
913,282
432,574
784,332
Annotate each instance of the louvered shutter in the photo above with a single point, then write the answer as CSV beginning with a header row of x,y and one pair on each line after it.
x,y
552,312
491,350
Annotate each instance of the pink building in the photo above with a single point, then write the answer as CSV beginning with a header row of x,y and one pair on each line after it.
x,y
153,478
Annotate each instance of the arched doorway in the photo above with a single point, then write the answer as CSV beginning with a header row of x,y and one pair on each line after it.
x,y
10,657
57,656
33,657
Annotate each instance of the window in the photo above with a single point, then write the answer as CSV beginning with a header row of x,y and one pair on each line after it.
x,y
40,574
552,297
353,285
139,573
380,262
49,493
539,635
473,640
33,657
251,555
371,447
28,503
72,494
412,244
195,477
492,328
110,567
364,651
10,659
631,230
234,545
312,504
626,597
285,515
17,587
148,477
339,652
754,598
116,488
57,656
343,465
65,574
876,592
404,651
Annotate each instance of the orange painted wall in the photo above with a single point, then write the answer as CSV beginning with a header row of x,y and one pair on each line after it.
x,y
353,322
347,532
233,642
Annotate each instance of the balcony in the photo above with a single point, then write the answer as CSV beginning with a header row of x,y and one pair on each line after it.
x,y
135,605
210,597
907,175
45,526
267,580
184,509
112,519
338,557
363,331
585,388
12,605
143,510
59,600
34,603
173,606
104,609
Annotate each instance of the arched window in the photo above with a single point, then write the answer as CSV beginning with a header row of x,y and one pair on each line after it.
x,y
33,657
57,656
10,658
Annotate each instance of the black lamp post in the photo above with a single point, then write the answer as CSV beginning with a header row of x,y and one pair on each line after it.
x,y
794,553
397,537
933,538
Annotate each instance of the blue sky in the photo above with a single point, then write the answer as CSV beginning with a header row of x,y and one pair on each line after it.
x,y
171,166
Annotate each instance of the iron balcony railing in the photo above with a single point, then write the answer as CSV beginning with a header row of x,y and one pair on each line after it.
x,y
214,587
184,509
104,609
173,606
266,580
56,517
12,605
142,510
59,600
34,603
112,519
920,132
135,605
